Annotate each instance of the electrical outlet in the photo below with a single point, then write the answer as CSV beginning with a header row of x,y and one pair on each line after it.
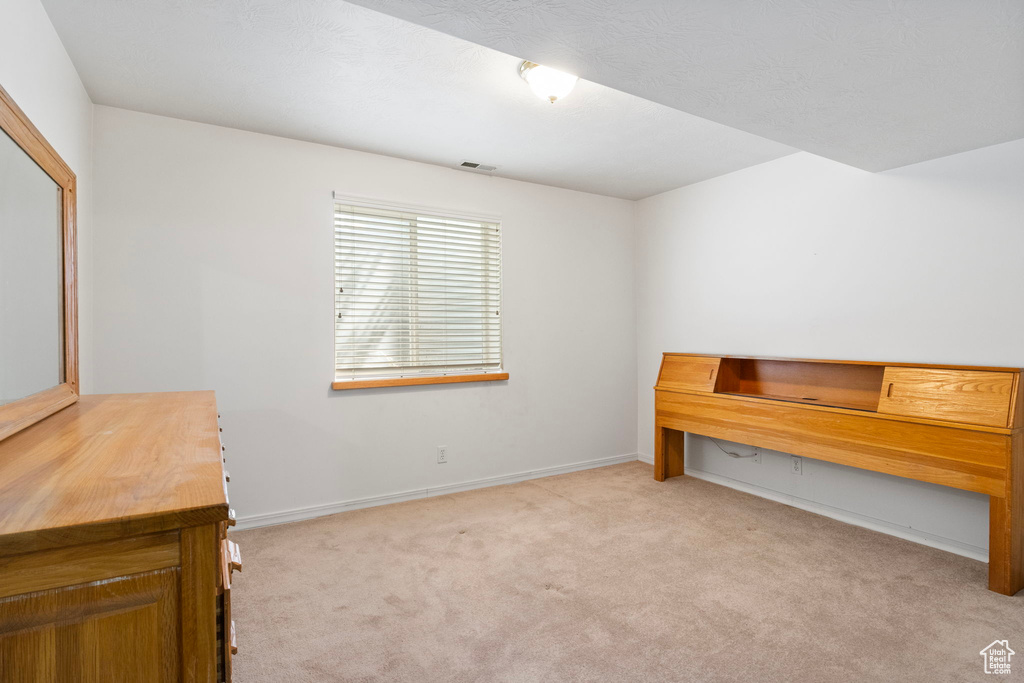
x,y
757,456
442,455
797,464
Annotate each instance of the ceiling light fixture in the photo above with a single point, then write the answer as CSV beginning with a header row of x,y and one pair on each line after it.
x,y
548,84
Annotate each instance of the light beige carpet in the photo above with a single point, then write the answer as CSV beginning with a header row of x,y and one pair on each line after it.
x,y
606,575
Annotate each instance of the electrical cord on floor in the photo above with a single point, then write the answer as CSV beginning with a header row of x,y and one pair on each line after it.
x,y
730,453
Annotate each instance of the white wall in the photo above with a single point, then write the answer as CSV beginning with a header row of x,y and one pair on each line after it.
x,y
37,73
215,270
804,257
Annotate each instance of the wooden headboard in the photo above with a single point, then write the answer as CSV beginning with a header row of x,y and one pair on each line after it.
x,y
954,425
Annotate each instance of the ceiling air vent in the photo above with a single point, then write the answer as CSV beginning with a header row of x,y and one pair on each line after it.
x,y
474,166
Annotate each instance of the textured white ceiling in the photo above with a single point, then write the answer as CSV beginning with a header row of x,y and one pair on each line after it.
x,y
339,74
876,84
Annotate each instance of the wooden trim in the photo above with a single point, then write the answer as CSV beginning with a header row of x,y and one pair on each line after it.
x,y
948,456
25,412
1006,527
1017,405
72,565
854,362
669,447
843,411
199,546
16,124
69,197
35,540
415,381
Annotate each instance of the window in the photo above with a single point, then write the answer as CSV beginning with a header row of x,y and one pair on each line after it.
x,y
417,297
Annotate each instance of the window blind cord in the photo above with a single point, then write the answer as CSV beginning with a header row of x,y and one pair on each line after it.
x,y
730,453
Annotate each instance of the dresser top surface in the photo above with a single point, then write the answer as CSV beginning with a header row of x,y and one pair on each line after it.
x,y
112,465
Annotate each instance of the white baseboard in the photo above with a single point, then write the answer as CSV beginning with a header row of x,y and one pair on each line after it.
x,y
297,514
949,545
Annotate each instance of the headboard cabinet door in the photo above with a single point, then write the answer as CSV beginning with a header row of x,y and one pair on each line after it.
x,y
688,373
969,396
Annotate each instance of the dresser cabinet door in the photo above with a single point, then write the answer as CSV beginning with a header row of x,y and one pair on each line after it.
x,y
120,630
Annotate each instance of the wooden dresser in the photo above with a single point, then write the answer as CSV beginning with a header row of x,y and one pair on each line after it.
x,y
958,426
114,559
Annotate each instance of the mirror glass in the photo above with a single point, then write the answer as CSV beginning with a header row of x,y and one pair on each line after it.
x,y
31,276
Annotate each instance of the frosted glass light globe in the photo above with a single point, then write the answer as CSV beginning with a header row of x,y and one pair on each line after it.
x,y
547,83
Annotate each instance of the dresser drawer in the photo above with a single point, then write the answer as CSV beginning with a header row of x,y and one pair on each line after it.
x,y
967,396
230,560
225,645
232,555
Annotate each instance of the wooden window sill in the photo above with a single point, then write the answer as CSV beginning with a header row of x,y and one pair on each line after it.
x,y
413,381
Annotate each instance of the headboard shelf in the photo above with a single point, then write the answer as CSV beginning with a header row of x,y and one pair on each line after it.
x,y
825,384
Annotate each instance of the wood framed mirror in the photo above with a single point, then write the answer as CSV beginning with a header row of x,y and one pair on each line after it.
x,y
38,289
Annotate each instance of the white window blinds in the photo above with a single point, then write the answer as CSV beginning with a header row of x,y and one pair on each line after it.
x,y
416,294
